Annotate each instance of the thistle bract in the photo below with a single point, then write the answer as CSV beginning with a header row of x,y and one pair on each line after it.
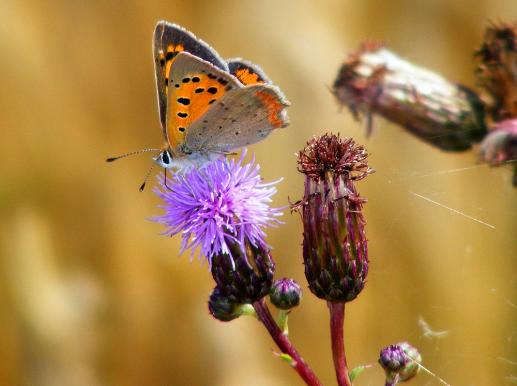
x,y
246,275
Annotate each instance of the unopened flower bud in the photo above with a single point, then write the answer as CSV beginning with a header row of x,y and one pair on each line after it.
x,y
374,80
400,361
245,276
335,249
500,145
285,294
221,307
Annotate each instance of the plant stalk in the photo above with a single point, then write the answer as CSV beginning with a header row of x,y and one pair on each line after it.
x,y
337,318
284,344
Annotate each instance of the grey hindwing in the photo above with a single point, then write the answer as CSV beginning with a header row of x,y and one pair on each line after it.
x,y
238,119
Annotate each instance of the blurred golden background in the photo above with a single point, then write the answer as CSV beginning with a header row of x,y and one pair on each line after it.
x,y
91,294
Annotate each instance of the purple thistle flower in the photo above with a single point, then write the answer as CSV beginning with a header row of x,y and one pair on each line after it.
x,y
217,206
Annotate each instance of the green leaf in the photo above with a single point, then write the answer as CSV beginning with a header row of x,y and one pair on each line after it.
x,y
287,358
356,371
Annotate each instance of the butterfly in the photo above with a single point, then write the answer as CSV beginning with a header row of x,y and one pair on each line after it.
x,y
208,106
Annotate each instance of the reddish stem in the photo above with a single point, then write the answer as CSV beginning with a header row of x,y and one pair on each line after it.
x,y
337,318
284,344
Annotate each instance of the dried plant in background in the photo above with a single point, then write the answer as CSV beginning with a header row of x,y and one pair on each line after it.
x,y
447,115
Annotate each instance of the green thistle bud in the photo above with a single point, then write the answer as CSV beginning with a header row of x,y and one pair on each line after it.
x,y
335,249
285,294
400,361
223,309
245,276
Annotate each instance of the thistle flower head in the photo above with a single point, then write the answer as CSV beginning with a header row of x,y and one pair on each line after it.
x,y
223,203
334,242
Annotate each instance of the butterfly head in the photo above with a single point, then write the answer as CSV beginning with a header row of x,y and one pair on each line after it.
x,y
164,159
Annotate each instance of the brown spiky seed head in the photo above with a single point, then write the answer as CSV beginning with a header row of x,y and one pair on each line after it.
x,y
335,249
332,154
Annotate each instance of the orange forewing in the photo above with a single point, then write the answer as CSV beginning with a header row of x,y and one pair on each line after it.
x,y
190,99
168,41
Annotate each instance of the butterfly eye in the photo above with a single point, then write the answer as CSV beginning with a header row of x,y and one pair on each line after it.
x,y
166,158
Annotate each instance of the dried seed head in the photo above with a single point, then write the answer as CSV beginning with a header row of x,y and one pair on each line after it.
x,y
497,69
333,154
334,243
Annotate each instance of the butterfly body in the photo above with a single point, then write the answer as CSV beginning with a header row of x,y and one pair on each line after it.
x,y
209,107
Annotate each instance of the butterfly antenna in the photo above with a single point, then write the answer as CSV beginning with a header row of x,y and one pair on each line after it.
x,y
146,178
111,159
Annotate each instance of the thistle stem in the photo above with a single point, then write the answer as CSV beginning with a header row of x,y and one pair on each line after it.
x,y
284,344
392,382
337,318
